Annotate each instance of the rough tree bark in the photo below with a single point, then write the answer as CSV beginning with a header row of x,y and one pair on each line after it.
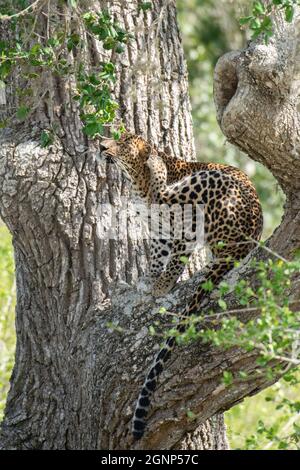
x,y
65,385
75,382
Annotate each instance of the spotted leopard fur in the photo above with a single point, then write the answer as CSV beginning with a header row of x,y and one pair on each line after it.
x,y
232,215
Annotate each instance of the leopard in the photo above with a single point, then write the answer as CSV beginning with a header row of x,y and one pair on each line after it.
x,y
233,224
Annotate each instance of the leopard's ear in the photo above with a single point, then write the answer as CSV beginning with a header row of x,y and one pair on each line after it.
x,y
147,149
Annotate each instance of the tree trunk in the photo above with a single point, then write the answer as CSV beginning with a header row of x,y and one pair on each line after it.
x,y
75,382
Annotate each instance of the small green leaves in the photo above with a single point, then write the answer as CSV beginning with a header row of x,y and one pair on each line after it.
x,y
245,19
243,375
289,13
92,127
98,108
4,123
222,304
207,286
114,327
162,310
152,330
191,415
227,378
95,100
22,112
94,88
220,245
47,138
258,8
73,41
117,133
290,378
144,6
107,31
223,288
184,259
72,3
5,68
260,22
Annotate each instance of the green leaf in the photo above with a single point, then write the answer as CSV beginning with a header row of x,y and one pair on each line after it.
x,y
220,245
114,326
267,23
243,374
31,75
119,48
93,128
47,138
207,285
289,13
144,6
3,123
283,445
184,259
223,288
245,20
35,50
222,304
36,62
255,24
89,16
22,112
54,42
258,8
191,415
152,330
109,44
116,135
5,69
227,378
73,41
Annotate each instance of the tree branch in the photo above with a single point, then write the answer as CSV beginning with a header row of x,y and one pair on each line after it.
x,y
193,379
257,96
24,12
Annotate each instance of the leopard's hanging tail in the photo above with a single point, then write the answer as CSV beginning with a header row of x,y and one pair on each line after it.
x,y
213,272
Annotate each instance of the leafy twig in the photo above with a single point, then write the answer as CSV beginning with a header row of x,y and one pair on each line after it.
x,y
24,12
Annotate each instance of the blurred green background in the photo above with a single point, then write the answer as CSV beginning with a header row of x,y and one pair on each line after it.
x,y
209,29
7,306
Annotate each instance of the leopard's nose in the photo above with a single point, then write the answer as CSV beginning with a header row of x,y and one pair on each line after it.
x,y
106,155
109,159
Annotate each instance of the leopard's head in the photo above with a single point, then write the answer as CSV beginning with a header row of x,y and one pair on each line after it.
x,y
130,153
